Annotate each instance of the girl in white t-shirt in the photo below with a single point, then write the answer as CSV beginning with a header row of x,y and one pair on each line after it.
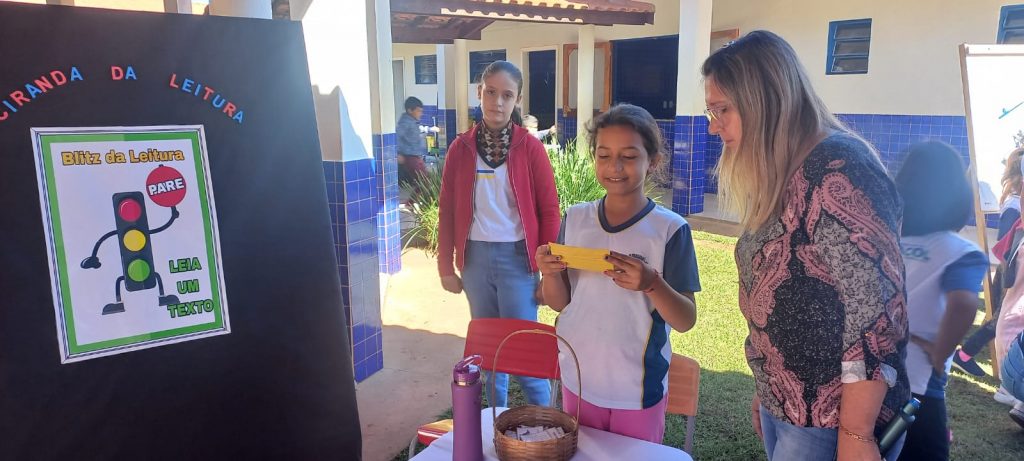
x,y
618,321
944,272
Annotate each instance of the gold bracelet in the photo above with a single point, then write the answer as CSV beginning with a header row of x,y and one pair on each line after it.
x,y
857,436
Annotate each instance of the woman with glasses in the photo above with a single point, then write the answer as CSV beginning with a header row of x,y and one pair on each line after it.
x,y
821,274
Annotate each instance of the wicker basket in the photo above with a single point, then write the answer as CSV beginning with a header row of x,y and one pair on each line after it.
x,y
560,449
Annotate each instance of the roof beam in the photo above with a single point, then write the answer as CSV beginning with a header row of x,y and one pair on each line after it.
x,y
444,35
517,12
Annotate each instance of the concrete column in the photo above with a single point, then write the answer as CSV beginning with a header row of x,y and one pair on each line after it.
x,y
178,6
382,101
260,9
461,85
693,148
447,93
341,69
584,85
385,143
694,48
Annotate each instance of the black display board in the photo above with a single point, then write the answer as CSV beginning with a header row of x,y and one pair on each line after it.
x,y
280,384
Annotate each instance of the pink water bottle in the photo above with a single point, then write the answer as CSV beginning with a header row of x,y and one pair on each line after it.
x,y
466,387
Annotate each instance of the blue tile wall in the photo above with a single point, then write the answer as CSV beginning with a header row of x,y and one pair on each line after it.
x,y
352,198
560,126
449,130
429,115
668,129
566,127
689,145
711,156
389,239
891,135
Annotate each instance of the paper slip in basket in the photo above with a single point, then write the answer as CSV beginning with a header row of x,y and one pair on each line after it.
x,y
585,259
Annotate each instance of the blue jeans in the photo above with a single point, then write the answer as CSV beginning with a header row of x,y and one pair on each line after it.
x,y
1012,371
784,441
499,284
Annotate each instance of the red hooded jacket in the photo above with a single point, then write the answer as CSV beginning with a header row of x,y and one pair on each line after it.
x,y
533,184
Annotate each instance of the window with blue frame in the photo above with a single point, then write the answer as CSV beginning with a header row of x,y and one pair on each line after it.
x,y
479,60
848,45
1011,24
426,69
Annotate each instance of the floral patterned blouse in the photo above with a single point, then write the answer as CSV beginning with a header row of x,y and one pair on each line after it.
x,y
822,288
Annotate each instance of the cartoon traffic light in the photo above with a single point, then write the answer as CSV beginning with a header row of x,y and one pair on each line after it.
x,y
133,235
135,243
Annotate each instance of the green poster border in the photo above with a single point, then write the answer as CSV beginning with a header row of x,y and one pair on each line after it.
x,y
71,343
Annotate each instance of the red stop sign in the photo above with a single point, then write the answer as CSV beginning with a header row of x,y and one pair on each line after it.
x,y
165,186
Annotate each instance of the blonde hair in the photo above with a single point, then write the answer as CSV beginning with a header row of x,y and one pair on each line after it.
x,y
1012,175
781,116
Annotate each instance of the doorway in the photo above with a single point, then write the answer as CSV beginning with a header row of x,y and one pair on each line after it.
x,y
542,87
644,74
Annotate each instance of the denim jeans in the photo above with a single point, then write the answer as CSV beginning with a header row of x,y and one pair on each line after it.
x,y
499,284
1012,369
785,442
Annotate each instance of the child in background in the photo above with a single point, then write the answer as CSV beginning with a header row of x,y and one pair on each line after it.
x,y
531,124
618,321
1009,213
943,277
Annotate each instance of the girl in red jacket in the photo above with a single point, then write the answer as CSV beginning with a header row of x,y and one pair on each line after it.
x,y
498,204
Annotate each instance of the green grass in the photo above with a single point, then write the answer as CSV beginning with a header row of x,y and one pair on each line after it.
x,y
981,428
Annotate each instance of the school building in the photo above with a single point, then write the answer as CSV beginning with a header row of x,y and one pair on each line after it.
x,y
889,69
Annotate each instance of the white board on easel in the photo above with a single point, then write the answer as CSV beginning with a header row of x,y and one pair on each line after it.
x,y
994,105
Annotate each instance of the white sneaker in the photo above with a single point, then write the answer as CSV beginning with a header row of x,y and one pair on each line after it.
x,y
1017,414
1004,397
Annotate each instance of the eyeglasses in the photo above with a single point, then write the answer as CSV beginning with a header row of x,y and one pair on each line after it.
x,y
714,114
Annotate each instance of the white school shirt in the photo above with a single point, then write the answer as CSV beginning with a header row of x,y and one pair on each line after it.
x,y
620,339
495,213
926,258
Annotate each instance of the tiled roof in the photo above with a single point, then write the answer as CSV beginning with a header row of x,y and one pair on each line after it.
x,y
441,21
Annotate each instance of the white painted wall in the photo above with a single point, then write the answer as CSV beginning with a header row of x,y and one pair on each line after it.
x,y
336,43
913,67
406,52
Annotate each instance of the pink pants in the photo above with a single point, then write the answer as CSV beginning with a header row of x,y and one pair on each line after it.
x,y
647,424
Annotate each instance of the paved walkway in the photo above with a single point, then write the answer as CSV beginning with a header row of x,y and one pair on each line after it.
x,y
424,333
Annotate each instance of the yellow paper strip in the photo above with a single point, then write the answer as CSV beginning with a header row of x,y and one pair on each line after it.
x,y
585,259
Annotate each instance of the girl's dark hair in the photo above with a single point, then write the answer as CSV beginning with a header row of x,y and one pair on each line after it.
x,y
935,191
515,73
634,117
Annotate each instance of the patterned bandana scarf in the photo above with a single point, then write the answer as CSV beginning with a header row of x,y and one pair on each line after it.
x,y
493,146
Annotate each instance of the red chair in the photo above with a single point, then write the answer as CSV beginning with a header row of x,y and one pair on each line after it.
x,y
683,387
525,355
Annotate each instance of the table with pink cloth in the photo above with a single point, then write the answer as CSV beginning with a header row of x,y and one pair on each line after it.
x,y
594,445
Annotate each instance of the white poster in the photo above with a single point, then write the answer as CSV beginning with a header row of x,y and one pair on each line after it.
x,y
994,99
131,232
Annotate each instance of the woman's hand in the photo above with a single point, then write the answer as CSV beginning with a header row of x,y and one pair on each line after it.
x,y
451,283
630,273
850,448
755,416
547,263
